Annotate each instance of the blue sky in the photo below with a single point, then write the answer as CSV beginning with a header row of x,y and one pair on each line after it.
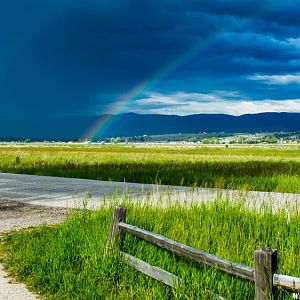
x,y
88,57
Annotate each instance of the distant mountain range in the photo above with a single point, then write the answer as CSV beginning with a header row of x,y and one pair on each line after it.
x,y
131,124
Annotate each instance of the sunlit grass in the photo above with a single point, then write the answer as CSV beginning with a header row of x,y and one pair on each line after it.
x,y
67,261
265,169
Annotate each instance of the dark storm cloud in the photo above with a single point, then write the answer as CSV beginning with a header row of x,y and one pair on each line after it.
x,y
76,57
280,12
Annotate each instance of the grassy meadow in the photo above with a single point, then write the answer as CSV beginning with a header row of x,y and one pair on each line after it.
x,y
67,261
264,168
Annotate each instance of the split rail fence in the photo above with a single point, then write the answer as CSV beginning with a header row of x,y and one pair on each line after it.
x,y
263,274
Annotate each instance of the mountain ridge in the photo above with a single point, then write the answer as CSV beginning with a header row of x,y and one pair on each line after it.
x,y
132,124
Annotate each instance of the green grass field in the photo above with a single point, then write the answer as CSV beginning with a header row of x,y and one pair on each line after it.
x,y
267,168
67,261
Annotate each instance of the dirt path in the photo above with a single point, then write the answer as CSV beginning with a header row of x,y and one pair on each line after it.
x,y
15,215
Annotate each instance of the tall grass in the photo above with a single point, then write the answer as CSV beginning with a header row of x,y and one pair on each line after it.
x,y
67,261
265,169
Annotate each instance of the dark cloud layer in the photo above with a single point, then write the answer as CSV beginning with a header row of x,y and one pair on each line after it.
x,y
64,57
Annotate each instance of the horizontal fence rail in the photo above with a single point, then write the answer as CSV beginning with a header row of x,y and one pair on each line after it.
x,y
154,272
189,252
214,261
286,281
263,274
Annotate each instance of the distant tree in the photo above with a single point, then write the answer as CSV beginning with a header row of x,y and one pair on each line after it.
x,y
271,139
241,140
205,141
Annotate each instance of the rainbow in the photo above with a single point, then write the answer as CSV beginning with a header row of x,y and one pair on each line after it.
x,y
117,107
110,115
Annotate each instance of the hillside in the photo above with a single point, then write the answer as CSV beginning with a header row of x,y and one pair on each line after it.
x,y
131,124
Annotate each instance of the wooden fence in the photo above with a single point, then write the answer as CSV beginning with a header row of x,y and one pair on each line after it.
x,y
263,274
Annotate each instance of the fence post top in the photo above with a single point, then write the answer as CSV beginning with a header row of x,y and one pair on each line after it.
x,y
265,249
117,207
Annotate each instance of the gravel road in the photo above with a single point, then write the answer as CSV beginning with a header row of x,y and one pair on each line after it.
x,y
69,192
63,192
13,291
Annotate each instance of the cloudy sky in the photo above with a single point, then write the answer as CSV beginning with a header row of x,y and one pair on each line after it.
x,y
88,57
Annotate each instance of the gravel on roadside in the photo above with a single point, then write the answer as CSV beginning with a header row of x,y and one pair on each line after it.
x,y
16,215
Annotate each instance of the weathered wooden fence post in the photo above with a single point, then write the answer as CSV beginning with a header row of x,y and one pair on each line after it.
x,y
265,265
115,234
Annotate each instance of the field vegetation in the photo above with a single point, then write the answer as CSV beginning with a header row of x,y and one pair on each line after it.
x,y
268,168
67,261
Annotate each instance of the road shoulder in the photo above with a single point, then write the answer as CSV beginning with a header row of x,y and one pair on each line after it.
x,y
15,215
